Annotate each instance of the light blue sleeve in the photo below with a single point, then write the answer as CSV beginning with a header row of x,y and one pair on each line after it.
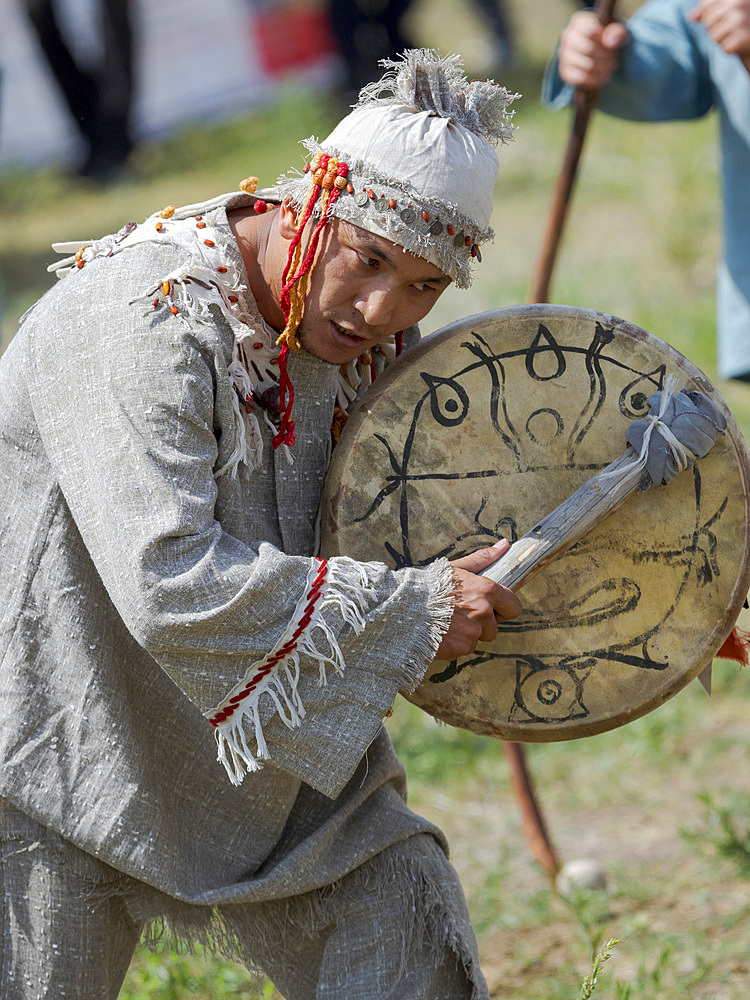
x,y
663,73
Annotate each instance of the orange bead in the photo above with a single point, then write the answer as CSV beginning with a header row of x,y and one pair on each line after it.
x,y
200,225
392,202
451,230
166,287
209,243
221,269
233,298
426,216
174,310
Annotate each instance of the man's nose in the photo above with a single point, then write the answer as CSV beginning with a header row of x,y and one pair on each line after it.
x,y
376,305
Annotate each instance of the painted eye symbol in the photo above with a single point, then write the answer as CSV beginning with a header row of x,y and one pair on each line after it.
x,y
449,401
549,691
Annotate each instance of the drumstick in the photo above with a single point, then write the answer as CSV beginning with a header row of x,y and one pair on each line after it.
x,y
585,100
679,429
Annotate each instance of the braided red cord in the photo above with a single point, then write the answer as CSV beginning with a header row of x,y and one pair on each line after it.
x,y
286,287
313,595
304,267
285,434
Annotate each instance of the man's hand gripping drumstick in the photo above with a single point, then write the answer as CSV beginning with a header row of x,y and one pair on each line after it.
x,y
479,603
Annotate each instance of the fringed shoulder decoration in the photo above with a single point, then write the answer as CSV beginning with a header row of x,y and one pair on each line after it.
x,y
428,81
207,276
342,584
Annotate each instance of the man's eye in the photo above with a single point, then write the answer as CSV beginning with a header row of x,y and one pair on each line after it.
x,y
369,261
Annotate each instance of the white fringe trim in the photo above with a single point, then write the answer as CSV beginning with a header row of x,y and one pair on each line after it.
x,y
440,606
196,285
342,584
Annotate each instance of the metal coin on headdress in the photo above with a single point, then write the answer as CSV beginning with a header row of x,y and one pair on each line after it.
x,y
361,199
436,229
487,426
408,215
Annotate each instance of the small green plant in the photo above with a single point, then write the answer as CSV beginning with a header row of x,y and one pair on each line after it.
x,y
589,983
727,827
592,910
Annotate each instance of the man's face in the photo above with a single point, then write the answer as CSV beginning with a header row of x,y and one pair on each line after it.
x,y
363,289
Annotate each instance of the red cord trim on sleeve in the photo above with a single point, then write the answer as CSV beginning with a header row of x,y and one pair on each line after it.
x,y
264,667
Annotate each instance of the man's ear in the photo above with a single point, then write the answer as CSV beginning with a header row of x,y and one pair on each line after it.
x,y
287,220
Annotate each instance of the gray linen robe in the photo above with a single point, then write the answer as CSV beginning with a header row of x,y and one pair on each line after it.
x,y
138,588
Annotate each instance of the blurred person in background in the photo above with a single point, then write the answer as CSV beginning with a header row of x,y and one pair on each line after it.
x,y
366,32
98,95
675,59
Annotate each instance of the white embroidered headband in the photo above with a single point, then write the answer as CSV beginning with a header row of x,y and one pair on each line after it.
x,y
420,162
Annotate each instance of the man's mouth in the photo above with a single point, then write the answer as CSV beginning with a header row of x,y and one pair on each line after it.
x,y
347,337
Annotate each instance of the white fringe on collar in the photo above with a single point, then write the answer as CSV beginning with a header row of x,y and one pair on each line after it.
x,y
209,276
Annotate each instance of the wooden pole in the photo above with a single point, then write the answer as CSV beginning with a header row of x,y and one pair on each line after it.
x,y
584,103
532,819
534,825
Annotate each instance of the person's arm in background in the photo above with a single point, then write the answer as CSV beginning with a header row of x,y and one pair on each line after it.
x,y
728,24
654,68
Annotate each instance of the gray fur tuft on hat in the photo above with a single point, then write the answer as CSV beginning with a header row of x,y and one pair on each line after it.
x,y
419,146
437,84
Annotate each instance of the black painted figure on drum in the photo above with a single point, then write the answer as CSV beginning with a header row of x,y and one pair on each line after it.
x,y
166,421
677,59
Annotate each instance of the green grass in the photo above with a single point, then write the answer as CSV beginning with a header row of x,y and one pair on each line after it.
x,y
662,804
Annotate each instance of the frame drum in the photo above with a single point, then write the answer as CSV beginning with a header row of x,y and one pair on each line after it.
x,y
477,433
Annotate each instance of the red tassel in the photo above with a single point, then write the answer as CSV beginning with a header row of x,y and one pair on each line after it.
x,y
285,434
735,647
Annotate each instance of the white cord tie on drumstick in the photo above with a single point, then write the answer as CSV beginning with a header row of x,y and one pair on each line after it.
x,y
680,452
687,424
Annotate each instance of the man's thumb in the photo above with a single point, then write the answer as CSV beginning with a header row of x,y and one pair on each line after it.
x,y
479,560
